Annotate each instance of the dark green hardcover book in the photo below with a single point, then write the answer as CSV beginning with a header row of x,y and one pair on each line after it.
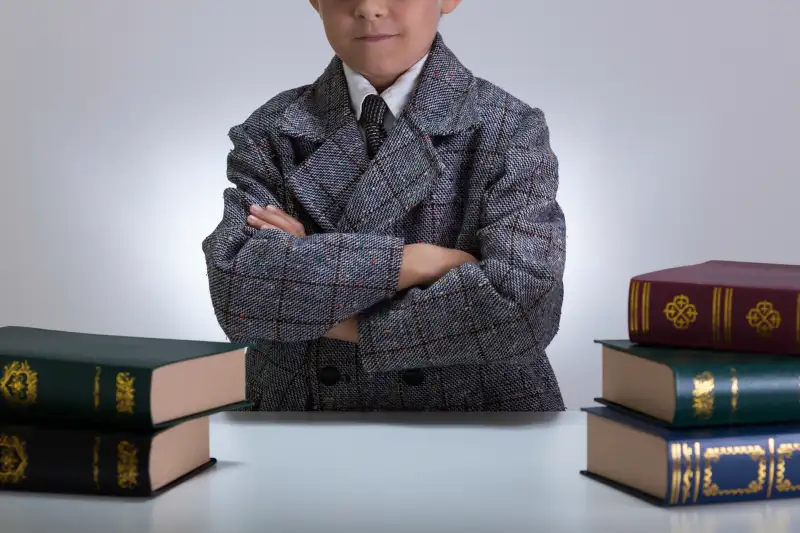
x,y
102,462
693,388
680,467
49,376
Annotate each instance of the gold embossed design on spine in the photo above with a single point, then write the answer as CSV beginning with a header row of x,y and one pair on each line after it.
x,y
713,455
764,318
681,312
19,383
716,312
125,393
127,465
703,395
734,390
646,306
782,482
96,463
727,315
97,387
688,472
13,459
633,307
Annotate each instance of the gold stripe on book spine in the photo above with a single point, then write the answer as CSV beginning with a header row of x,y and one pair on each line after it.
x,y
696,471
715,312
96,463
728,315
632,306
688,473
771,467
676,473
734,390
646,307
97,387
797,321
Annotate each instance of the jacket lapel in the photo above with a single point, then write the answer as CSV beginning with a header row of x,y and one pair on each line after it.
x,y
321,119
337,184
401,175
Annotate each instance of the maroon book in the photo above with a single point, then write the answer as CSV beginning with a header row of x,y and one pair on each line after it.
x,y
729,305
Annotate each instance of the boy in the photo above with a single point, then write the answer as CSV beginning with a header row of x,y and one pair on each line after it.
x,y
394,252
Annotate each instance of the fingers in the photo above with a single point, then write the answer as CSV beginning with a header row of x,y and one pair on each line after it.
x,y
280,213
257,223
262,219
298,229
461,257
274,218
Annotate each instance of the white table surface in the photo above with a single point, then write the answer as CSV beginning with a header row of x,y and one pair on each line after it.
x,y
384,473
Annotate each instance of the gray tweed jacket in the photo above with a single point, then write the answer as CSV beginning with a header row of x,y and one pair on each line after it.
x,y
466,166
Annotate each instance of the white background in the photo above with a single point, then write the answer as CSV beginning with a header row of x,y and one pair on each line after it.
x,y
676,124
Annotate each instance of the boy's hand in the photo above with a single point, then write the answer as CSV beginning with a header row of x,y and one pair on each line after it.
x,y
424,263
274,218
345,331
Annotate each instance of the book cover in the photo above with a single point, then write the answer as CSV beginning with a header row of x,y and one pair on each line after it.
x,y
718,304
117,381
102,462
688,387
671,467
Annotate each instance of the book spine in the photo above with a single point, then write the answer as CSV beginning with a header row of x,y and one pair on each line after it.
x,y
714,395
714,317
44,390
74,462
733,469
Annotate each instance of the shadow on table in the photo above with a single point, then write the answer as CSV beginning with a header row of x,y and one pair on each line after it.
x,y
488,419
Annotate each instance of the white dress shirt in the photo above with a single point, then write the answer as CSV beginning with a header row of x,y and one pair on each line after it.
x,y
395,96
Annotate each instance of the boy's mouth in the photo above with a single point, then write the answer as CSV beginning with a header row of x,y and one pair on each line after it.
x,y
375,37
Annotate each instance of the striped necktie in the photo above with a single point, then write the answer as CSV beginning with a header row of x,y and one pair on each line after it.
x,y
373,111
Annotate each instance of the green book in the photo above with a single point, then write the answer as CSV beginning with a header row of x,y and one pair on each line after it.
x,y
71,378
102,462
680,387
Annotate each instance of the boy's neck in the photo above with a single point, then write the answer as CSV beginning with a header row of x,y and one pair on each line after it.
x,y
381,84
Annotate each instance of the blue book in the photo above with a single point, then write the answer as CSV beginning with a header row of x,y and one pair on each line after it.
x,y
679,467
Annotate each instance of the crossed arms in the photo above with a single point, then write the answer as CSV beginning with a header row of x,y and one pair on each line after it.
x,y
422,263
269,280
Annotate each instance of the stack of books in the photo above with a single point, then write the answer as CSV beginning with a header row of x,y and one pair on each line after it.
x,y
701,403
110,415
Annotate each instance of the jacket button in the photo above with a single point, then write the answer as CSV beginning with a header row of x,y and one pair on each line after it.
x,y
413,377
329,375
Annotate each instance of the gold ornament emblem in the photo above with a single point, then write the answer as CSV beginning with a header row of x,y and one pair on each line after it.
x,y
19,382
703,395
125,393
127,465
13,460
681,312
764,318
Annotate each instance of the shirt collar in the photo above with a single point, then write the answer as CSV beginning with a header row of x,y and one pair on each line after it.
x,y
395,96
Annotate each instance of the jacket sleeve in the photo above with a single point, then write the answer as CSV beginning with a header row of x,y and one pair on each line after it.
x,y
507,305
268,284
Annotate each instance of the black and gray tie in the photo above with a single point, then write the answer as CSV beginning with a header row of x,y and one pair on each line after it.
x,y
373,111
